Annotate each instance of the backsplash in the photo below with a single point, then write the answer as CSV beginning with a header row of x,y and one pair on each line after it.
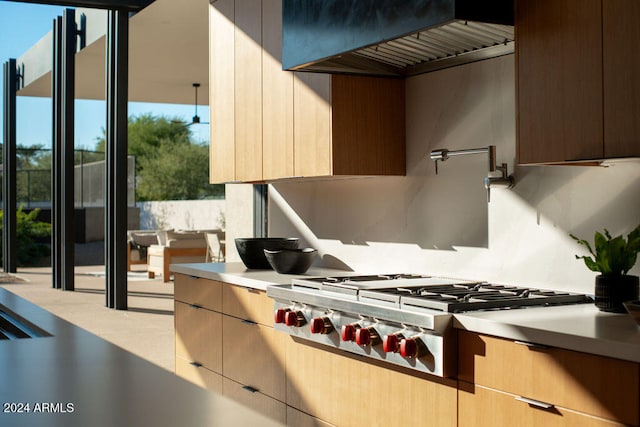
x,y
441,224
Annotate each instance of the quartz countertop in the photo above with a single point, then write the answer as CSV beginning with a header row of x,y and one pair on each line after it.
x,y
74,378
574,327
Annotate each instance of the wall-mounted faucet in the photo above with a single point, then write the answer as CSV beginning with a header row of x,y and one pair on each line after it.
x,y
505,180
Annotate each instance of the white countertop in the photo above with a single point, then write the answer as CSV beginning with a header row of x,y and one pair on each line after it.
x,y
74,378
574,327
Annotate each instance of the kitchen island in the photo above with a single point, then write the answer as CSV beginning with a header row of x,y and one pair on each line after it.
x,y
70,377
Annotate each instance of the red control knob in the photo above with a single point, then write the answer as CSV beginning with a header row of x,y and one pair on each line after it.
x,y
367,336
280,315
391,343
409,347
294,318
348,332
321,325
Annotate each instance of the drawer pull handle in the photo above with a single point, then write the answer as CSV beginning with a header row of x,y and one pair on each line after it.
x,y
196,364
532,345
250,389
249,322
535,403
196,306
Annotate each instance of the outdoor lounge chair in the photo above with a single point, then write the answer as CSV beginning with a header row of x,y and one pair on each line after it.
x,y
175,247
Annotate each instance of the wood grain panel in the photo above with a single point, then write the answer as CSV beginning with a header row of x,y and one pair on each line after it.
x,y
247,303
221,92
258,402
253,355
297,418
595,385
199,336
621,34
199,375
559,80
368,119
277,97
481,407
312,124
248,90
194,290
322,383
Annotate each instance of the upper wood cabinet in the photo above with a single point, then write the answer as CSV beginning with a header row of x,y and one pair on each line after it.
x,y
578,85
269,124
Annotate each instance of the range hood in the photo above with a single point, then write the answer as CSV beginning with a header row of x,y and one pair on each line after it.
x,y
393,37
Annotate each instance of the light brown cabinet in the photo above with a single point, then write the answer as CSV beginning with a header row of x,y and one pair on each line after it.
x,y
198,336
493,371
269,124
578,86
345,391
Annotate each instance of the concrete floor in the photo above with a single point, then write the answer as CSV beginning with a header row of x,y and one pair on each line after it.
x,y
145,329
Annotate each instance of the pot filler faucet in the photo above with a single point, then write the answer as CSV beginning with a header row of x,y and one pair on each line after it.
x,y
505,180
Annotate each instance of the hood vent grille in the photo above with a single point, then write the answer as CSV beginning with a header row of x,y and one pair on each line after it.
x,y
447,41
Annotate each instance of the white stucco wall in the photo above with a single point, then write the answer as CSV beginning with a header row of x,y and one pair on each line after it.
x,y
182,214
441,224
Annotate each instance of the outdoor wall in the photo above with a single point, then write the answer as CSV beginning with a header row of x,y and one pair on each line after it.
x,y
182,214
442,224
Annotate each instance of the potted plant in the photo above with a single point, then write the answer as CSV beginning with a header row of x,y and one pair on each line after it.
x,y
613,258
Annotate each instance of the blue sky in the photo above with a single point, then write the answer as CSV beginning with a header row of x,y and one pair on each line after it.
x,y
21,26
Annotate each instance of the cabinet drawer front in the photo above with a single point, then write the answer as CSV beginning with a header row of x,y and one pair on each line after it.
x,y
247,303
480,407
599,386
321,382
198,375
253,355
265,405
194,290
297,418
199,336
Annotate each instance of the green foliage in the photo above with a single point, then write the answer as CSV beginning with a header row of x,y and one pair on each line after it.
x,y
169,165
29,234
613,256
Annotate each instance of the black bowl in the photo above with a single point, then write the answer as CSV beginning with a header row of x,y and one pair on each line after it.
x,y
251,249
290,261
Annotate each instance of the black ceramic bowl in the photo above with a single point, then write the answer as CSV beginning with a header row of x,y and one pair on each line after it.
x,y
290,261
251,249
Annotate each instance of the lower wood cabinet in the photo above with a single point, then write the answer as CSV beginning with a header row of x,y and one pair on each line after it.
x,y
349,391
198,336
594,386
297,418
483,407
198,375
255,400
253,355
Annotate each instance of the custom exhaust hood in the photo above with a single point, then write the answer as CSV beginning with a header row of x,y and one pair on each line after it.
x,y
393,37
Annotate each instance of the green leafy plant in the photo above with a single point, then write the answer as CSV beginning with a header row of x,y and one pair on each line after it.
x,y
30,234
613,256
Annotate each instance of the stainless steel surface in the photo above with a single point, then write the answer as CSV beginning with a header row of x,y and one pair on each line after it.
x,y
411,314
393,38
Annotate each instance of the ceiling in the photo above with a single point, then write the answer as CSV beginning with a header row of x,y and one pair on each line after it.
x,y
168,52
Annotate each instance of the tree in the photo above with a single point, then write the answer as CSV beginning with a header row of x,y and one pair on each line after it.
x,y
169,165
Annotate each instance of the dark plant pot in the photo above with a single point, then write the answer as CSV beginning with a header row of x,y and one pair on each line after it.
x,y
612,291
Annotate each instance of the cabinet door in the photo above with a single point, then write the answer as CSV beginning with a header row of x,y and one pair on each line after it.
x,y
253,355
595,385
297,418
198,375
347,391
247,303
312,124
621,34
248,90
199,336
201,292
482,407
222,91
257,401
559,80
277,97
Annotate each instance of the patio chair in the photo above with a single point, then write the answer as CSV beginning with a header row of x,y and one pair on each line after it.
x,y
138,241
179,247
215,246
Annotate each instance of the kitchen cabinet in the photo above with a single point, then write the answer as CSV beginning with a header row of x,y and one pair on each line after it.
x,y
578,88
259,402
269,124
346,391
585,388
198,336
199,375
